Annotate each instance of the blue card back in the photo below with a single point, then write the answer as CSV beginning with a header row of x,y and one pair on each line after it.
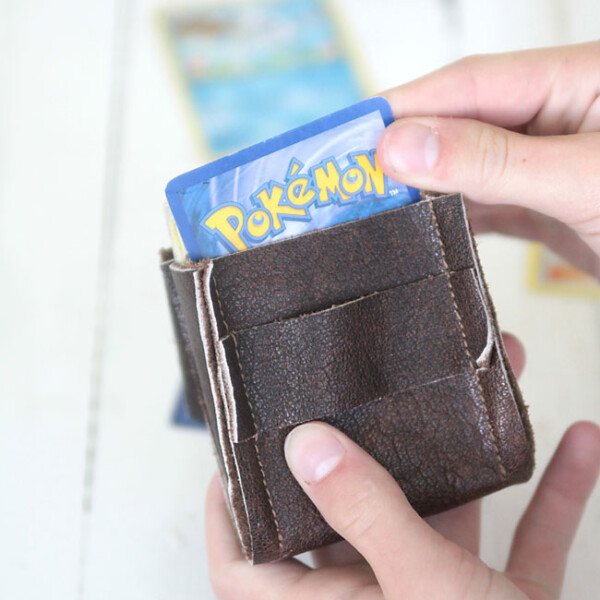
x,y
312,177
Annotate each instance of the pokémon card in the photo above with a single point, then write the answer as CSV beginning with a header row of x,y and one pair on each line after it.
x,y
315,176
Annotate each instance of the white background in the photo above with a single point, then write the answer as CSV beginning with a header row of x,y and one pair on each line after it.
x,y
100,497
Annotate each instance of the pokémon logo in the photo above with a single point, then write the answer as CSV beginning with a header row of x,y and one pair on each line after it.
x,y
275,203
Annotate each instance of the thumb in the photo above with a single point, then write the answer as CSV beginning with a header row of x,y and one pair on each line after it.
x,y
364,504
555,175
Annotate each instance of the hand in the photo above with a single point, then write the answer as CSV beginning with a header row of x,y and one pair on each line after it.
x,y
519,134
405,556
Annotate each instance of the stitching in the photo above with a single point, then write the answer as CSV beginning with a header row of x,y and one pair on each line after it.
x,y
346,411
341,304
219,440
187,344
491,434
255,437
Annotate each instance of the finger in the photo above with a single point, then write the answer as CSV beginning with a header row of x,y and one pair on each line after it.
x,y
515,351
545,533
531,225
222,540
461,525
363,503
338,554
557,176
231,575
508,89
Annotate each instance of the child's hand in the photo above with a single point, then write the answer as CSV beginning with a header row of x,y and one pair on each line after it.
x,y
516,130
523,145
405,558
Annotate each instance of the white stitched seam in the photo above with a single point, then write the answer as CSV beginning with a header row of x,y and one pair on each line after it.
x,y
491,434
255,438
216,388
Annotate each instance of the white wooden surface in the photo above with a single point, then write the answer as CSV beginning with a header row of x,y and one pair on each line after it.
x,y
100,497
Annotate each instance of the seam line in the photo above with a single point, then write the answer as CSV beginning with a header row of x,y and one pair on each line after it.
x,y
491,435
255,438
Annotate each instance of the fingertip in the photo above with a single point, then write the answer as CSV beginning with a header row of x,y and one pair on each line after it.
x,y
546,531
313,451
575,466
223,546
387,95
214,492
382,152
410,148
582,439
392,96
585,428
515,351
215,509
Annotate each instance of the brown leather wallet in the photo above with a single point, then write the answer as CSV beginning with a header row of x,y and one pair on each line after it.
x,y
382,327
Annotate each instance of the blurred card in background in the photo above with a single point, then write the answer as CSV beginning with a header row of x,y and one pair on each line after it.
x,y
252,70
551,274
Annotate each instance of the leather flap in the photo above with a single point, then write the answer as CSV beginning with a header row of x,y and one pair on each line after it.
x,y
323,363
382,327
326,267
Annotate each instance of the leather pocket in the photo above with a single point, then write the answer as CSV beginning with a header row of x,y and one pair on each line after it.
x,y
327,267
382,327
323,363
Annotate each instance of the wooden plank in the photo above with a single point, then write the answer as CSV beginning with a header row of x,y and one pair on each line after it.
x,y
54,85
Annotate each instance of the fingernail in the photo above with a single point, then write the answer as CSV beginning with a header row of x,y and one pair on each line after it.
x,y
312,452
411,147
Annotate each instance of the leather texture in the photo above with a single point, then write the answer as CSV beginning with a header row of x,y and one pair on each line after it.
x,y
382,327
191,383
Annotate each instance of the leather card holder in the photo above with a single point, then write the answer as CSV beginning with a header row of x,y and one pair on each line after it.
x,y
382,327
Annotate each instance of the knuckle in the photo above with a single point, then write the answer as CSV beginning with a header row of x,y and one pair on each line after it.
x,y
223,585
362,511
492,147
470,61
218,587
469,576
